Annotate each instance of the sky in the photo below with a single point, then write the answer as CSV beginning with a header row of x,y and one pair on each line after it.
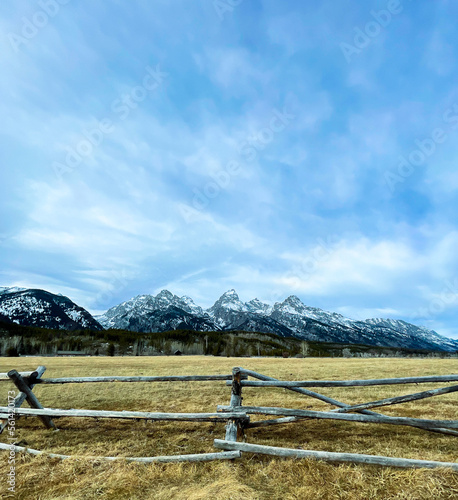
x,y
273,147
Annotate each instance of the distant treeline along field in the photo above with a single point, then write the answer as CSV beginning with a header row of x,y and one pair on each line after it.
x,y
16,340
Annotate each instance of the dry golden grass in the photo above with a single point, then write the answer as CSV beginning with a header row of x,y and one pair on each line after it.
x,y
252,477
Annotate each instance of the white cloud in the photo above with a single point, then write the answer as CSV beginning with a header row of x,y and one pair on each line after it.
x,y
361,266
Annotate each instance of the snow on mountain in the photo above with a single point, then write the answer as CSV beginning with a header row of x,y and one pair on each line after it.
x,y
229,301
31,307
190,306
418,332
228,312
11,289
162,312
258,307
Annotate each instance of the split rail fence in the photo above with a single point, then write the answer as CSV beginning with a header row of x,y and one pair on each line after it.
x,y
237,416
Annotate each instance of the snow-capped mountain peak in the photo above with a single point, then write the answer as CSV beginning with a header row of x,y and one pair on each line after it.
x,y
230,295
229,300
293,303
164,297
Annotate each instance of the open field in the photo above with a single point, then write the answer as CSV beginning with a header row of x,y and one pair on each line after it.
x,y
251,477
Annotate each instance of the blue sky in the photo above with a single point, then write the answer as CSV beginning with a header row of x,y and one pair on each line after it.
x,y
277,148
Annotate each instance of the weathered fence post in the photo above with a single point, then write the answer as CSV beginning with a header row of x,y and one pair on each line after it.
x,y
30,397
233,429
20,398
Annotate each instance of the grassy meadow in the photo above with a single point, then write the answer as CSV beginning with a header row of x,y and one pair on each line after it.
x,y
249,478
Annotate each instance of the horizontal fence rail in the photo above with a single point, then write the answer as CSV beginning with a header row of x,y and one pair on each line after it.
x,y
57,413
348,383
399,399
4,376
116,378
197,457
332,456
310,414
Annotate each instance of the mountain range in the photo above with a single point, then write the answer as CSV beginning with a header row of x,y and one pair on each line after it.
x,y
290,318
166,311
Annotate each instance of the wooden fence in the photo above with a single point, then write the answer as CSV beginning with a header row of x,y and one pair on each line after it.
x,y
237,416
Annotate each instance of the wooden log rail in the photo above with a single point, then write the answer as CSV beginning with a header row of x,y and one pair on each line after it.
x,y
197,457
58,413
331,456
399,399
169,378
310,414
348,383
396,400
4,376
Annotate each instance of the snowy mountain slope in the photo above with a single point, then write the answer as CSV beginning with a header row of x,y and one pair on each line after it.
x,y
32,307
165,311
160,320
429,337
